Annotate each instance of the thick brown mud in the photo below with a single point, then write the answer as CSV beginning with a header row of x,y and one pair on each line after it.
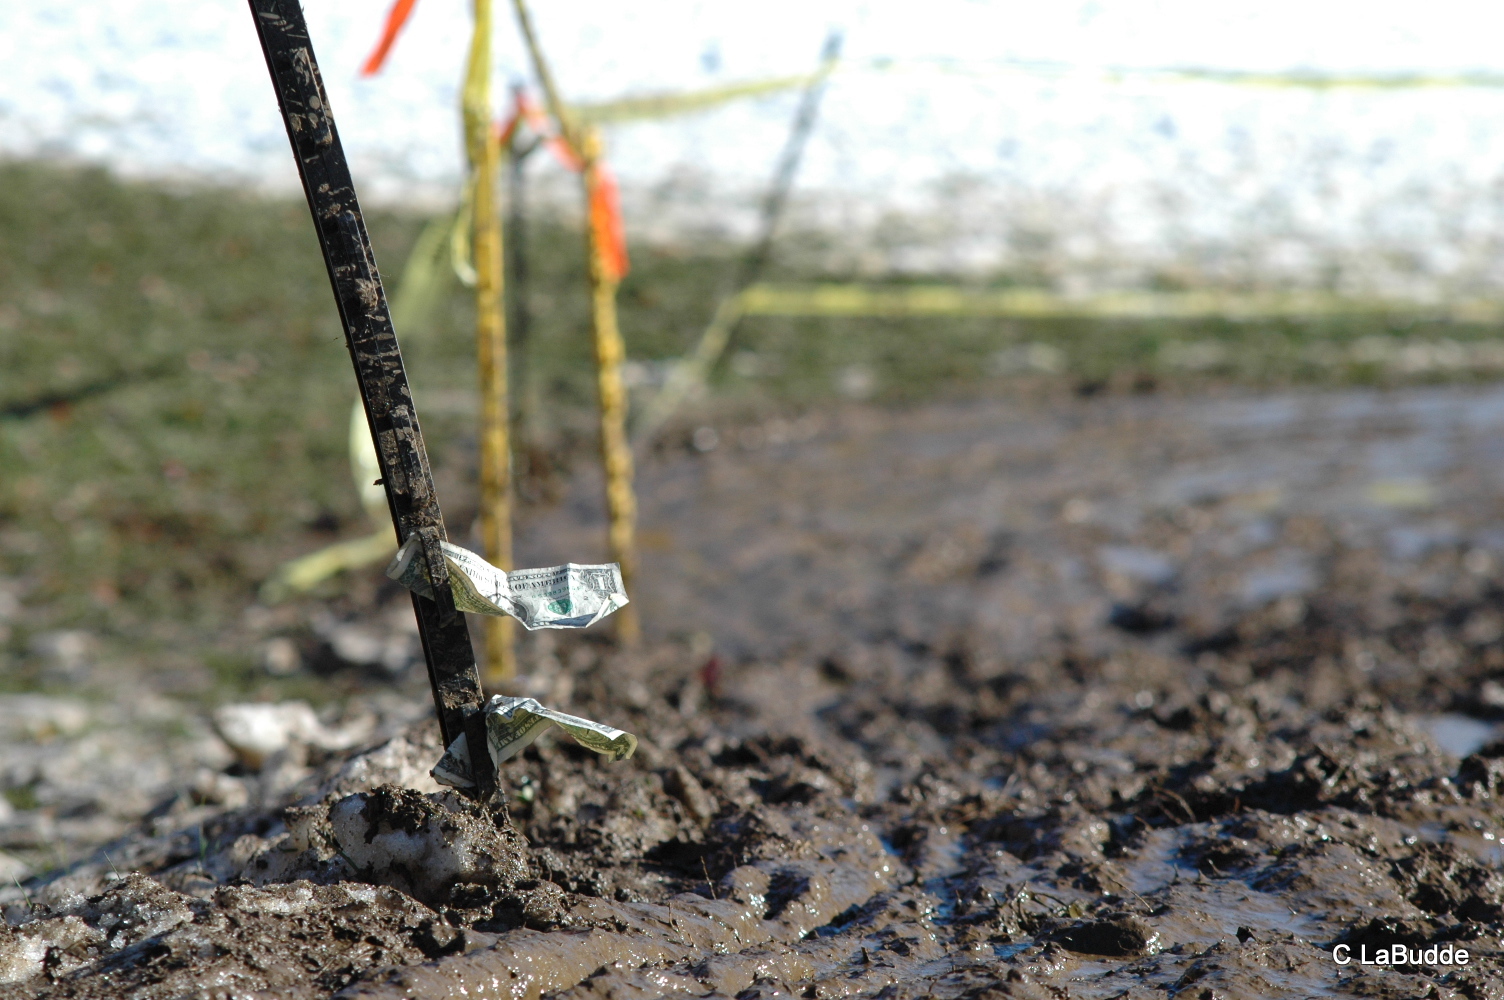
x,y
1132,697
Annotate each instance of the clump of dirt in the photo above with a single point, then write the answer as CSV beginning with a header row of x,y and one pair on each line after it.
x,y
427,845
998,794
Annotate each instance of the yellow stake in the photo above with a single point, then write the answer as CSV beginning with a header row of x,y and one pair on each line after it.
x,y
616,454
483,150
610,352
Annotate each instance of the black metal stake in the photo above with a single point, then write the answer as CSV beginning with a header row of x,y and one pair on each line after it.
x,y
384,391
750,268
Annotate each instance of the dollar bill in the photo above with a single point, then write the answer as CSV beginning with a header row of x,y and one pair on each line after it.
x,y
513,723
568,596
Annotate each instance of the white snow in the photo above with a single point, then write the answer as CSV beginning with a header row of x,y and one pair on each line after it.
x,y
996,126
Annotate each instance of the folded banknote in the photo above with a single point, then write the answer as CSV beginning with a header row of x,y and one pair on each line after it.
x,y
513,723
568,596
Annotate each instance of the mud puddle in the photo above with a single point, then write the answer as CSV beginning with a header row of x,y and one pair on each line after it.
x,y
1117,698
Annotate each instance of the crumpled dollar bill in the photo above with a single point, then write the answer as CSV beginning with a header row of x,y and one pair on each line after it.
x,y
513,723
568,596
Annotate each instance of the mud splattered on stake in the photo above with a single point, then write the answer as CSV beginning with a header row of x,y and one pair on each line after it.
x,y
378,361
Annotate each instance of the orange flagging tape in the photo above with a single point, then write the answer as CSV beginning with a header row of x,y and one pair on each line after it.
x,y
395,19
605,204
524,110
505,130
605,219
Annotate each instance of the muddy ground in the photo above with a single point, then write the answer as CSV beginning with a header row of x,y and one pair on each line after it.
x,y
1109,696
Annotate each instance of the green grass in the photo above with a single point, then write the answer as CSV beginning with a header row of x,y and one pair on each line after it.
x,y
176,389
22,797
192,386
196,331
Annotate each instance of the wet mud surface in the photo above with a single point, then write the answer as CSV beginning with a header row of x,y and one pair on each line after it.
x,y
1122,697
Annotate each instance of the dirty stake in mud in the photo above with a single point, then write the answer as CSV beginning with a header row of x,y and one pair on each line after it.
x,y
378,362
570,596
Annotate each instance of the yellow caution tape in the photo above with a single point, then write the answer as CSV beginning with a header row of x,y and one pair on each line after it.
x,y
1036,303
302,575
666,105
1329,81
1299,79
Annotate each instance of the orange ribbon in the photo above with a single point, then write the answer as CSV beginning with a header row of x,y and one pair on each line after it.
x,y
524,110
607,227
610,232
606,222
395,19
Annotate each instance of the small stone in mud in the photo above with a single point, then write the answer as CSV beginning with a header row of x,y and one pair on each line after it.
x,y
687,789
536,904
1114,937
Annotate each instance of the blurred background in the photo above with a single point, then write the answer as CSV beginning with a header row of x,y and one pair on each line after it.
x,y
1186,202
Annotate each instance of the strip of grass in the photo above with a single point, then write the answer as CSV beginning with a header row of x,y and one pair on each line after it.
x,y
174,386
194,335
